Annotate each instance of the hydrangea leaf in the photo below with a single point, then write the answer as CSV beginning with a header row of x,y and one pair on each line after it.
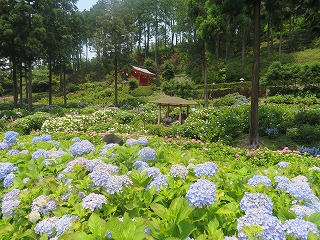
x,y
315,218
185,228
284,215
97,225
160,210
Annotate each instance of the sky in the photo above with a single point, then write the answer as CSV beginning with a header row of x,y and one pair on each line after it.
x,y
85,4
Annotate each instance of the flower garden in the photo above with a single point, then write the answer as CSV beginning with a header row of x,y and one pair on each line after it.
x,y
74,185
60,180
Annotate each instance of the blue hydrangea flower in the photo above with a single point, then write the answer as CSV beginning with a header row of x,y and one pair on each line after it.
x,y
152,172
298,187
230,238
64,223
46,226
260,201
107,168
189,238
140,165
8,207
314,169
130,142
147,153
272,226
178,170
43,204
255,180
8,180
36,140
93,201
108,234
282,165
6,168
106,148
46,137
11,195
116,183
142,141
39,153
81,148
13,152
300,228
207,169
87,164
76,139
158,181
201,193
5,146
11,137
302,211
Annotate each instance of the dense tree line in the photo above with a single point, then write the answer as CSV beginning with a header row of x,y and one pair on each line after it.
x,y
193,34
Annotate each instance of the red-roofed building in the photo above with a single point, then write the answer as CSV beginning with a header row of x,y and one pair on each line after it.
x,y
141,74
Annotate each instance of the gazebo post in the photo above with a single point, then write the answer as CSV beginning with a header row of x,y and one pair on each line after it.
x,y
159,114
187,111
180,114
168,110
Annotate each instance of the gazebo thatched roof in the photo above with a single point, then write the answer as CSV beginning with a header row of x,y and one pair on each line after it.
x,y
174,101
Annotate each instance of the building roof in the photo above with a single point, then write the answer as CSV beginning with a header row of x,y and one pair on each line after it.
x,y
143,70
168,100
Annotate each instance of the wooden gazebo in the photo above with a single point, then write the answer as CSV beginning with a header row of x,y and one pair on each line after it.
x,y
168,101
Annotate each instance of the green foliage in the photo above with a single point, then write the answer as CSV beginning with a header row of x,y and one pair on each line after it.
x,y
305,134
32,122
311,117
133,83
184,89
167,70
142,91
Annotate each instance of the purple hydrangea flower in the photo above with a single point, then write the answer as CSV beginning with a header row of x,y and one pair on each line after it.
x,y
147,153
230,238
300,228
116,183
178,170
12,195
87,164
271,226
260,201
93,201
81,148
255,180
201,193
314,169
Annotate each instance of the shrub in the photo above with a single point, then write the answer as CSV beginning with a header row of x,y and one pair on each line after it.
x,y
306,134
311,117
230,99
32,122
6,106
142,91
3,123
167,70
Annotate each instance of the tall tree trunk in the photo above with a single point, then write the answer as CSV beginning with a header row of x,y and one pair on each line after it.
x,y
61,79
205,75
29,86
254,141
15,82
50,81
280,37
21,83
26,80
64,86
268,39
115,79
243,52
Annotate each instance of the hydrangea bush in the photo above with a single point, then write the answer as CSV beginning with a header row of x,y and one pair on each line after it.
x,y
151,190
